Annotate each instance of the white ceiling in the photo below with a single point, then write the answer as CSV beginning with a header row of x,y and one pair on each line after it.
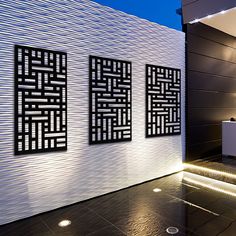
x,y
225,22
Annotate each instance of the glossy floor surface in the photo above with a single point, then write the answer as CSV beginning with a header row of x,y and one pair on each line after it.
x,y
193,209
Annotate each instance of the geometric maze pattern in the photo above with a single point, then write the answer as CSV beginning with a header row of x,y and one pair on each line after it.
x,y
110,100
40,100
163,113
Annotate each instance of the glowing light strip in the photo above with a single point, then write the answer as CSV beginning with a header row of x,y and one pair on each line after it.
x,y
205,185
191,166
191,186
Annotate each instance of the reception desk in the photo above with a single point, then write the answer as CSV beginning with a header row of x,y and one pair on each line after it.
x,y
229,138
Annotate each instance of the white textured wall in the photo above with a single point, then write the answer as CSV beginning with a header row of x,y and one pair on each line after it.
x,y
36,183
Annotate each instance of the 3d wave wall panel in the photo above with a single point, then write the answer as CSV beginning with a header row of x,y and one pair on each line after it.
x,y
36,183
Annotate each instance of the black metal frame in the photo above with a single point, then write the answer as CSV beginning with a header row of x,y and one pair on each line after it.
x,y
91,86
178,105
61,104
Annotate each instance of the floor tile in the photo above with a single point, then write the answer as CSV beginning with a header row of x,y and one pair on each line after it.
x,y
226,200
202,197
225,207
172,185
28,227
83,221
214,226
147,224
216,202
230,230
110,230
139,211
165,205
197,219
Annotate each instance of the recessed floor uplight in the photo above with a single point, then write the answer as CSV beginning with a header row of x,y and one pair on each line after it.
x,y
64,223
172,230
156,190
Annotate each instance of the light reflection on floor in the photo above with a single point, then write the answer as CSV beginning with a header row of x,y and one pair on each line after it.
x,y
189,202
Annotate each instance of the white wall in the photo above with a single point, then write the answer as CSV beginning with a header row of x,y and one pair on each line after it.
x,y
30,184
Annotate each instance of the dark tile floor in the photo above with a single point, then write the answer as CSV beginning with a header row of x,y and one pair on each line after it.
x,y
139,211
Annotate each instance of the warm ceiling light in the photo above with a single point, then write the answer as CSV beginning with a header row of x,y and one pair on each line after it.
x,y
208,17
156,190
195,21
64,223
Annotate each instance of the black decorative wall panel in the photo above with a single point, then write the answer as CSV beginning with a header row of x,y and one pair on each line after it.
x,y
110,100
40,100
163,113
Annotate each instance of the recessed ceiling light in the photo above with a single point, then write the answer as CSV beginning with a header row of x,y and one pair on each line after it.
x,y
64,223
195,21
156,190
172,230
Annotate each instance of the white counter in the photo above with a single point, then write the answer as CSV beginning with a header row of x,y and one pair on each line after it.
x,y
229,138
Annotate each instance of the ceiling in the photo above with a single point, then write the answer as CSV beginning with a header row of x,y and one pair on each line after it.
x,y
225,22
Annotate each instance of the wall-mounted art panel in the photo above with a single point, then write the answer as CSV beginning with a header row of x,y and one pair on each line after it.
x,y
83,28
40,100
110,100
163,111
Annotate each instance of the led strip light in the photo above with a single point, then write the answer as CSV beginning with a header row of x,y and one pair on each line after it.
x,y
202,181
222,173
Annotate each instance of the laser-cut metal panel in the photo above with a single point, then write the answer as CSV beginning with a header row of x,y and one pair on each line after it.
x,y
163,112
40,100
110,100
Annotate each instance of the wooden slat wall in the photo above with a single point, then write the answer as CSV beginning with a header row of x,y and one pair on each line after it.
x,y
211,89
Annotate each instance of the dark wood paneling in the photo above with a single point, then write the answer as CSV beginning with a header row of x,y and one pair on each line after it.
x,y
211,99
212,34
206,149
203,116
211,89
210,65
205,133
202,81
210,48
